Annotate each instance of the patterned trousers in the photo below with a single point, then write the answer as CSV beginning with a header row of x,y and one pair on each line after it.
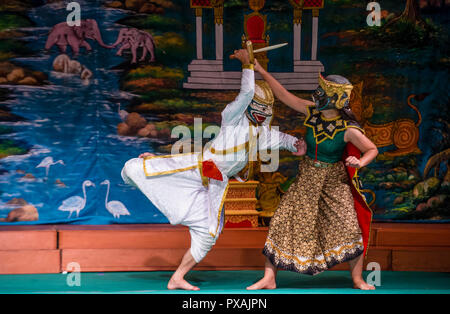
x,y
315,226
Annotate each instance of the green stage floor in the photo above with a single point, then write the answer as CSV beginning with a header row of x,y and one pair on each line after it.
x,y
222,282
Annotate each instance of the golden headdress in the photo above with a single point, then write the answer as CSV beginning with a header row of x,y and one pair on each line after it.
x,y
332,88
263,93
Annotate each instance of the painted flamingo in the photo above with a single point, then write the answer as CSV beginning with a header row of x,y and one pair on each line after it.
x,y
122,113
47,162
116,208
76,203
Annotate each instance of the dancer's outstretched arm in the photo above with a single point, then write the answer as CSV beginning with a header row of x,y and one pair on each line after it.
x,y
234,110
270,138
282,93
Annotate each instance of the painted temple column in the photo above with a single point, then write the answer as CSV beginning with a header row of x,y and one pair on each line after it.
x,y
297,34
218,23
315,31
199,34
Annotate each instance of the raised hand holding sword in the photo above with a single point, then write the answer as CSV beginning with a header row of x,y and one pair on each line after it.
x,y
246,56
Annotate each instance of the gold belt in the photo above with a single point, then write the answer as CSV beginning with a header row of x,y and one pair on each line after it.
x,y
320,164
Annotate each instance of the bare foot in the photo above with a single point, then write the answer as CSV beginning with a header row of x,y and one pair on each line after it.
x,y
265,283
362,285
180,284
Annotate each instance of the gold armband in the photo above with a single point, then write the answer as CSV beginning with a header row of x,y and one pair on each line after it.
x,y
248,66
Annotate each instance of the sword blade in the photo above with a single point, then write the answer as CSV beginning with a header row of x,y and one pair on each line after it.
x,y
270,48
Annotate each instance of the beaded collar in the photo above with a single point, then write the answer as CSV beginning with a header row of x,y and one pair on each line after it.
x,y
323,128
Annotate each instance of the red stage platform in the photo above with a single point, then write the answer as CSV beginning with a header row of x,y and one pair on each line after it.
x,y
49,249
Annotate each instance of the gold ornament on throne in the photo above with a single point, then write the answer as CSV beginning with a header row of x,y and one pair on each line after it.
x,y
249,171
269,194
256,5
269,189
361,108
240,201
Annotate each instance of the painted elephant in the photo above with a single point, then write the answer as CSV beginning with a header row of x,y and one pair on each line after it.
x,y
64,64
75,36
133,38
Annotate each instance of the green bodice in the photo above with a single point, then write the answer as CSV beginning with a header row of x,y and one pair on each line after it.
x,y
330,150
327,133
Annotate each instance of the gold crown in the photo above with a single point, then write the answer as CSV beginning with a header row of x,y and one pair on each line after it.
x,y
263,93
332,88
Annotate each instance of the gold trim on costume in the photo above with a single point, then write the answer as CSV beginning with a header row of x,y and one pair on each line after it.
x,y
252,139
329,119
310,110
167,156
205,180
168,171
221,209
238,212
355,127
230,150
329,253
248,66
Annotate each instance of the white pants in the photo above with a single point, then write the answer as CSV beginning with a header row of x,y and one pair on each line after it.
x,y
181,197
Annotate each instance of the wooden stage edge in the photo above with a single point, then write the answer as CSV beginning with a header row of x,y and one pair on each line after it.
x,y
150,247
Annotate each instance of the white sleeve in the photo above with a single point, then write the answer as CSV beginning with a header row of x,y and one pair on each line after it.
x,y
233,111
269,138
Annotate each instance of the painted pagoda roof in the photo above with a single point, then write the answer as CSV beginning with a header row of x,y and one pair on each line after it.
x,y
311,4
200,3
307,4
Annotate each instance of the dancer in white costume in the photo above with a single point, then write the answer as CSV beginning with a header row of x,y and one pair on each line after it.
x,y
190,189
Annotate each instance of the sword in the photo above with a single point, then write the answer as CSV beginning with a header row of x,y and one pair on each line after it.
x,y
251,52
270,48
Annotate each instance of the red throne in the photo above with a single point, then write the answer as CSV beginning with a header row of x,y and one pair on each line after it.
x,y
255,25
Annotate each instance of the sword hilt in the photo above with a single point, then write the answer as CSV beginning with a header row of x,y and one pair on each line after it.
x,y
250,52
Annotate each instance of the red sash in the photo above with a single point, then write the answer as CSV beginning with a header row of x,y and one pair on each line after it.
x,y
210,170
363,210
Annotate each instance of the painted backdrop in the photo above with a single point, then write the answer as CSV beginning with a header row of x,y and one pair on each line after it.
x,y
76,103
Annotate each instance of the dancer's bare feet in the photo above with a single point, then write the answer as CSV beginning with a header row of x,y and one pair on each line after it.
x,y
362,285
356,267
264,283
269,279
180,284
177,280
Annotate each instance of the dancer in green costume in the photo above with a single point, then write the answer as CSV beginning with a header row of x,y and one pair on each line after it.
x,y
322,220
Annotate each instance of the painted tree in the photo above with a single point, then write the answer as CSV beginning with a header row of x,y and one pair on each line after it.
x,y
411,14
